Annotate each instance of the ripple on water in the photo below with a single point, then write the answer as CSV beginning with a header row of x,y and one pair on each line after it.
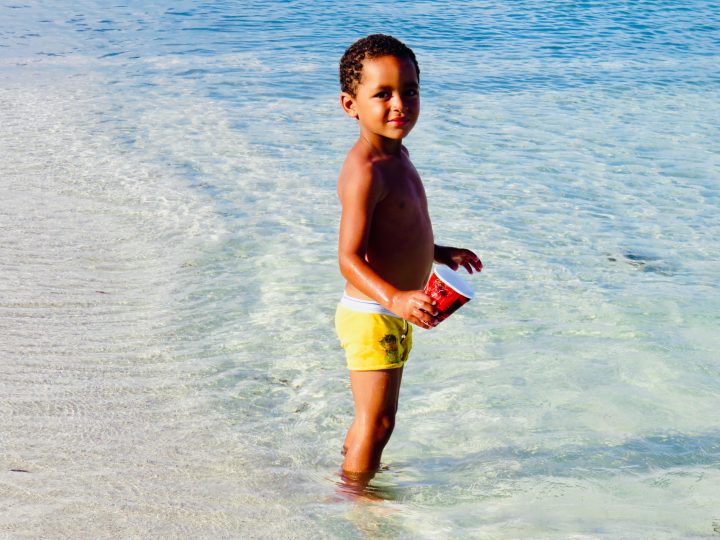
x,y
95,403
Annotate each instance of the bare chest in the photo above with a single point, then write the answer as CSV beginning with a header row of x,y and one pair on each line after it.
x,y
404,208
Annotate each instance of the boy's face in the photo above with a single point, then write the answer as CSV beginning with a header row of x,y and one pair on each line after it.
x,y
387,99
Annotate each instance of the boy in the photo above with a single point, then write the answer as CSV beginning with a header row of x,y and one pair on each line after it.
x,y
386,247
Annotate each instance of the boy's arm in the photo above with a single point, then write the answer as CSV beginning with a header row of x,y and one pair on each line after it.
x,y
360,191
455,257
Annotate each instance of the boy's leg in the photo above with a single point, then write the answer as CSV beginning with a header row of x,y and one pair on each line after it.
x,y
376,400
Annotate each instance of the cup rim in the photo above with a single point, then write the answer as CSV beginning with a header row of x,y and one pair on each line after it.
x,y
453,280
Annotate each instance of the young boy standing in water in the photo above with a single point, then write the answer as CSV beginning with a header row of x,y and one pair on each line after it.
x,y
386,247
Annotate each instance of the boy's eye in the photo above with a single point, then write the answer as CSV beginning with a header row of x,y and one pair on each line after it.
x,y
382,95
412,93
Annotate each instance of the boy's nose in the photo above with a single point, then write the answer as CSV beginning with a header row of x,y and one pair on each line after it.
x,y
397,103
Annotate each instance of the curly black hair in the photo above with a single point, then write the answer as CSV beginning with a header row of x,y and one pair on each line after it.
x,y
372,46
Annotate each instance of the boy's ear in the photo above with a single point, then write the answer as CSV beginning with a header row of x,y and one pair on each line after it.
x,y
347,102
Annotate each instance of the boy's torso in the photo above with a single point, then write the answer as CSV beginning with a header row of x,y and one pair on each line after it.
x,y
400,243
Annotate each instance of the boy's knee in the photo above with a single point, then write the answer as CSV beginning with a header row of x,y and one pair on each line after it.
x,y
387,421
383,427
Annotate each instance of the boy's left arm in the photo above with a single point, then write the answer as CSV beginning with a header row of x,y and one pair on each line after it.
x,y
456,257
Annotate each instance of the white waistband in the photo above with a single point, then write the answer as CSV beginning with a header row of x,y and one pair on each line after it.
x,y
364,306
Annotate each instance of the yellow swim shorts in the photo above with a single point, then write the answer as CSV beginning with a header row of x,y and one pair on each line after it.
x,y
372,340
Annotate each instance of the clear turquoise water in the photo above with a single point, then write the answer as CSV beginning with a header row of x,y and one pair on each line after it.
x,y
168,366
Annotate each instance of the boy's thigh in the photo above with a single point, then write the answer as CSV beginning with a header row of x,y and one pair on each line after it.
x,y
376,392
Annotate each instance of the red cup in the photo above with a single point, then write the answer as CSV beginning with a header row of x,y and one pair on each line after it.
x,y
449,290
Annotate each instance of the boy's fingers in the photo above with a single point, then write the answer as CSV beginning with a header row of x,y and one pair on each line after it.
x,y
424,324
425,316
424,313
424,300
424,308
475,263
429,308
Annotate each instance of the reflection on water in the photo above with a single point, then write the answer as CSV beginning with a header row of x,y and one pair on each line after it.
x,y
369,487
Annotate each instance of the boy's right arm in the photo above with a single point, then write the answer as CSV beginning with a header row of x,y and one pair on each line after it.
x,y
360,191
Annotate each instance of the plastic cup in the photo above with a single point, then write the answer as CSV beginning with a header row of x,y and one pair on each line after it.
x,y
449,290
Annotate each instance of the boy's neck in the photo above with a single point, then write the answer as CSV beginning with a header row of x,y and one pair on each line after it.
x,y
382,146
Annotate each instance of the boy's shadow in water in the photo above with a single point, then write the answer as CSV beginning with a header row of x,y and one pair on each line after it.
x,y
654,453
486,474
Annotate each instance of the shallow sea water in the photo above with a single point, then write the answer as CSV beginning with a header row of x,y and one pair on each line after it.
x,y
168,365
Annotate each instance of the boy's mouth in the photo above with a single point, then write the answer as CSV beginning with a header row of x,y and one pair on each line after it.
x,y
399,121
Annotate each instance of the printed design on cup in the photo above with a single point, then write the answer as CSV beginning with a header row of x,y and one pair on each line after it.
x,y
390,344
447,300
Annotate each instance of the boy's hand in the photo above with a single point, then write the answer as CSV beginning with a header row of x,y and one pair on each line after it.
x,y
456,257
415,307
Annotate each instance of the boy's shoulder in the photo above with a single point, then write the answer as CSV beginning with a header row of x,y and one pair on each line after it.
x,y
358,162
361,160
363,171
